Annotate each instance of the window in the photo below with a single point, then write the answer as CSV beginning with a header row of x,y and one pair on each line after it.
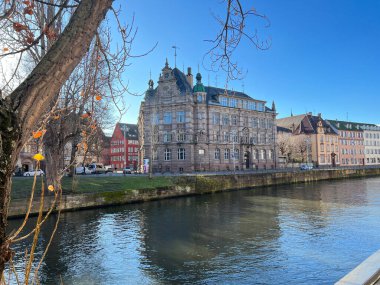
x,y
216,118
181,154
167,118
260,107
225,137
262,154
233,102
235,138
227,153
181,137
224,101
251,105
180,117
262,123
226,120
217,153
255,122
168,154
234,119
217,136
167,137
199,98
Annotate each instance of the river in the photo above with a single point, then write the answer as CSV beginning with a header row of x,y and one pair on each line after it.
x,y
293,234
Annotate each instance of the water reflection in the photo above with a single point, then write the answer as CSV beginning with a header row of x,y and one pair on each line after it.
x,y
298,234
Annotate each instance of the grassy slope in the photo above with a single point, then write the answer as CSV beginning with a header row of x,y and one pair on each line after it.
x,y
21,186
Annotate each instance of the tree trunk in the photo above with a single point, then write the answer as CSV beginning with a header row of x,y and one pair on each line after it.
x,y
20,112
9,149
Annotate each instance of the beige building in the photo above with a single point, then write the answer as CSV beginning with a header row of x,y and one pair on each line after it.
x,y
310,139
371,134
351,142
185,128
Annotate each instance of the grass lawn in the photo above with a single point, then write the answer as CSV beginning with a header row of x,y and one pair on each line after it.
x,y
21,186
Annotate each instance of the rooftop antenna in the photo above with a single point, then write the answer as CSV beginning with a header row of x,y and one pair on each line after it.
x,y
242,85
216,80
175,55
208,79
183,68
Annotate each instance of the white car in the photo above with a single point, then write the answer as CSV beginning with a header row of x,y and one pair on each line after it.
x,y
32,172
79,170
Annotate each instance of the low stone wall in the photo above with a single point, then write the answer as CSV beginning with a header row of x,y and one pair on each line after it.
x,y
189,185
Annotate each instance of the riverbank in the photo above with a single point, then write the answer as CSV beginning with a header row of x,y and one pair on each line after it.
x,y
184,185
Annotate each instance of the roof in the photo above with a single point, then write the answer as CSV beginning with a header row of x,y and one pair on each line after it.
x,y
289,122
182,83
304,124
214,92
349,126
131,132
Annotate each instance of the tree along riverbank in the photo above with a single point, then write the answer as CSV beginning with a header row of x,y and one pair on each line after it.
x,y
92,192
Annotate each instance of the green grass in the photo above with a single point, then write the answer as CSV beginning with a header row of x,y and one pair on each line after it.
x,y
22,186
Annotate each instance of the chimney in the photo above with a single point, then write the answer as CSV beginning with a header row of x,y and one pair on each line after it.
x,y
189,77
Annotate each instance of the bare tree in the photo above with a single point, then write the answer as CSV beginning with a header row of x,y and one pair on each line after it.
x,y
234,28
57,55
22,109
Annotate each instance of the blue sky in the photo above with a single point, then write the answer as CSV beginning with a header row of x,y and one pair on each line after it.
x,y
324,58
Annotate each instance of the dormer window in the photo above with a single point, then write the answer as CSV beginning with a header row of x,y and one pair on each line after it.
x,y
166,75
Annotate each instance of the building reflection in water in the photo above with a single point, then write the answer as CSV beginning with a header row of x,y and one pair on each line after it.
x,y
253,236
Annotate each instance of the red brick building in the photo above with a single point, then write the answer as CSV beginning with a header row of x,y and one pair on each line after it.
x,y
124,146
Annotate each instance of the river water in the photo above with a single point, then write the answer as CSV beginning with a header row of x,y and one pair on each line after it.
x,y
292,234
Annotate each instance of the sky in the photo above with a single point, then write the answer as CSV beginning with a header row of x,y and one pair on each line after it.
x,y
324,57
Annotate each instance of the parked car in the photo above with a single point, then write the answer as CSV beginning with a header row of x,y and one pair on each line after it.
x,y
82,170
306,167
127,170
32,172
97,168
108,168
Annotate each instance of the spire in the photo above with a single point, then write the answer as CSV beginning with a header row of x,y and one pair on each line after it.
x,y
273,106
166,63
150,82
291,113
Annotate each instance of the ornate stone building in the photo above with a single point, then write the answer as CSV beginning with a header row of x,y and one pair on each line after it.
x,y
185,128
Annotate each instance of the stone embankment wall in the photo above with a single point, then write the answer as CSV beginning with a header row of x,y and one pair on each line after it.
x,y
190,185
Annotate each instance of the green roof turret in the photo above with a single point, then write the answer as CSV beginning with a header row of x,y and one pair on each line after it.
x,y
199,86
